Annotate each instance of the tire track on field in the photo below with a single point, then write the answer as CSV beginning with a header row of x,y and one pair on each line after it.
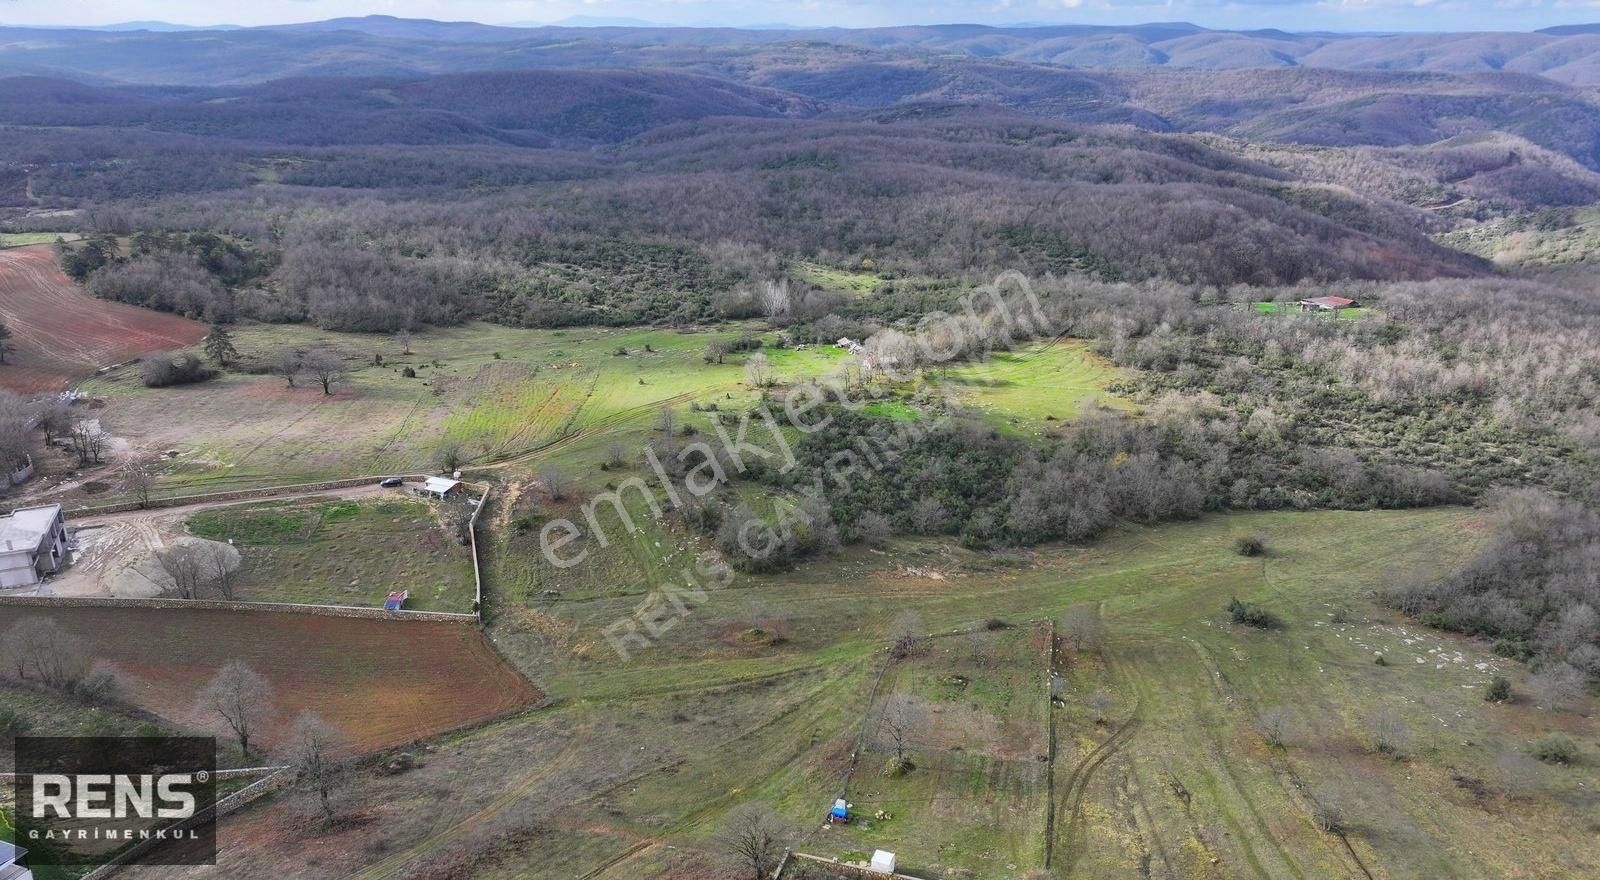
x,y
1071,820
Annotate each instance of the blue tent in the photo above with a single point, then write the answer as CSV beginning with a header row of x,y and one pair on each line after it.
x,y
840,811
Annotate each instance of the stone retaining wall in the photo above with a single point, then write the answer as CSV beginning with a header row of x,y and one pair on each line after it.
x,y
211,605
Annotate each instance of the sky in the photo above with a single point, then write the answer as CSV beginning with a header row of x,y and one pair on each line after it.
x,y
1297,15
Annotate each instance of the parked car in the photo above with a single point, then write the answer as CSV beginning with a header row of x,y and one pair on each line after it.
x,y
391,482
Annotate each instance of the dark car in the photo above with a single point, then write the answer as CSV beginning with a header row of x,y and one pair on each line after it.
x,y
391,482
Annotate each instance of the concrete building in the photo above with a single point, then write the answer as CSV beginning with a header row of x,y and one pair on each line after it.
x,y
33,543
11,863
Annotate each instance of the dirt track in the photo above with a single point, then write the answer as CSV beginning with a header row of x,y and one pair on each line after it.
x,y
60,332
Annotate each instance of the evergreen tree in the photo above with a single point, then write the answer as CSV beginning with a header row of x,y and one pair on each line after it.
x,y
219,345
5,341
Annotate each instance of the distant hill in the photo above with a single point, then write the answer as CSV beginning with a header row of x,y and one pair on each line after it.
x,y
147,52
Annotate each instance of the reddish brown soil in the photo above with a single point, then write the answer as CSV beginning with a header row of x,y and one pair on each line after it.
x,y
380,682
60,333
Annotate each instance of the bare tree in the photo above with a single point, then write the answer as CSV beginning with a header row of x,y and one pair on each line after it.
x,y
616,455
667,420
1275,725
41,646
185,565
326,368
1100,703
1390,733
1327,812
448,456
1081,629
285,363
218,563
754,837
138,480
1558,686
55,419
758,371
404,337
555,482
899,728
88,441
241,699
314,753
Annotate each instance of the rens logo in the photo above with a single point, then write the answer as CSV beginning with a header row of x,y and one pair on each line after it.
x,y
139,800
106,796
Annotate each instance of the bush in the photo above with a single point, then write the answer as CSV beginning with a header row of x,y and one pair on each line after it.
x,y
12,724
898,767
1252,615
1555,748
1251,545
185,369
1499,690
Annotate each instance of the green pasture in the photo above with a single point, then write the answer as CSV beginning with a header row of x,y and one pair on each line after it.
x,y
1173,776
344,552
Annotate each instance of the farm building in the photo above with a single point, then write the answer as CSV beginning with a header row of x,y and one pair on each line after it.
x,y
33,543
1326,304
11,863
442,488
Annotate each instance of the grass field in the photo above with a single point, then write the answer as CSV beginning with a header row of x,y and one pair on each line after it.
x,y
759,692
24,239
381,682
1174,778
344,553
513,400
1289,308
1033,385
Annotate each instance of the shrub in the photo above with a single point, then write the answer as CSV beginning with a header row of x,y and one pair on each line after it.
x,y
1251,545
12,724
1499,690
1251,614
185,369
898,767
1555,748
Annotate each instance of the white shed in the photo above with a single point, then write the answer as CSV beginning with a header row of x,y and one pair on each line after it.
x,y
440,487
883,860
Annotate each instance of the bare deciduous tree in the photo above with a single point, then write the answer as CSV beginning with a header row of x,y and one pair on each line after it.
x,y
1100,703
758,371
754,837
404,337
186,566
448,457
1275,725
325,367
88,441
285,363
41,646
899,728
1390,733
314,753
1081,629
616,455
241,699
555,482
139,480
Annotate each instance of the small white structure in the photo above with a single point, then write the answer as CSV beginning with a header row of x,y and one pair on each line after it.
x,y
440,488
11,863
883,860
33,543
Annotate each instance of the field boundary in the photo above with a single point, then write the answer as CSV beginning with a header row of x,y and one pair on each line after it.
x,y
278,779
217,605
237,494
